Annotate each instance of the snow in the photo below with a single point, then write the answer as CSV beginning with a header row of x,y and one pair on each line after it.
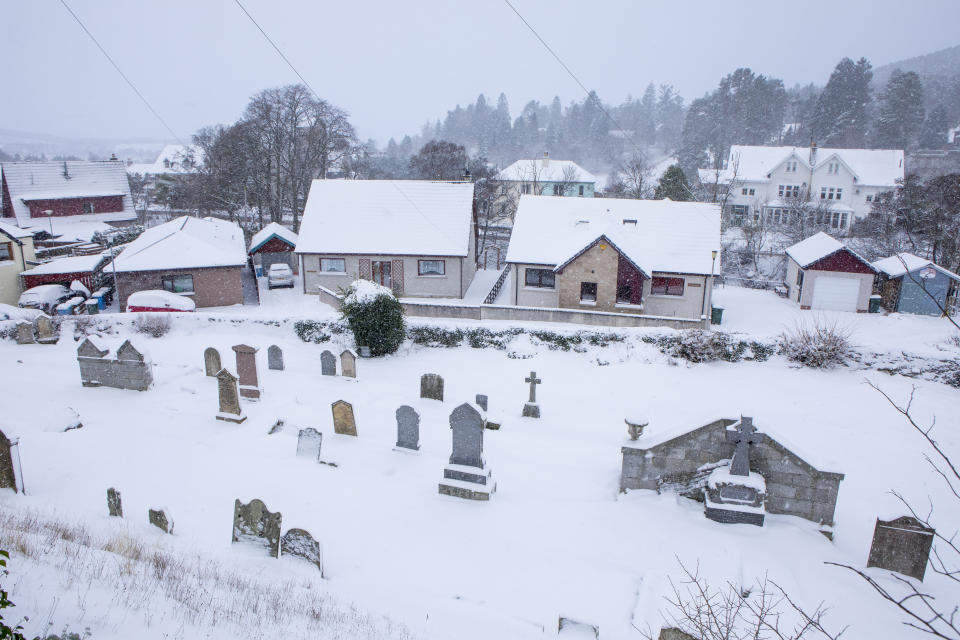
x,y
675,237
16,314
11,230
365,291
273,229
871,167
903,263
722,475
159,299
392,217
817,247
72,228
481,286
80,288
174,154
549,171
72,264
185,243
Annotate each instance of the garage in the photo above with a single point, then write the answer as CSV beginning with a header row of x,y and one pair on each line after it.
x,y
836,293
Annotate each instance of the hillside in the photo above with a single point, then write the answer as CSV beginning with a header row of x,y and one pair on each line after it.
x,y
943,63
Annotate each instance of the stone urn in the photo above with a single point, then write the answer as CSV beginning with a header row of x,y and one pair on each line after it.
x,y
635,425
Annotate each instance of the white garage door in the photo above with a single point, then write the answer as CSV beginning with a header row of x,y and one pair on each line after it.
x,y
835,292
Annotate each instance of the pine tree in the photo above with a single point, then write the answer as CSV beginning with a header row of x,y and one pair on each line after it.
x,y
933,133
840,119
673,185
901,111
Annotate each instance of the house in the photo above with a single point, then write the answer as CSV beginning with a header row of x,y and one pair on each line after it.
x,y
824,274
202,258
87,269
274,243
911,284
416,237
546,177
16,250
651,257
838,185
173,158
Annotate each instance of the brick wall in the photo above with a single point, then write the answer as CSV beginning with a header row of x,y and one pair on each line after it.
x,y
74,206
213,286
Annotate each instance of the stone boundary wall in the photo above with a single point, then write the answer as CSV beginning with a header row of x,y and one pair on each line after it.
x,y
118,373
794,487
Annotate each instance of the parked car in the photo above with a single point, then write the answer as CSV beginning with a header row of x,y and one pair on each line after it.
x,y
280,275
159,300
45,297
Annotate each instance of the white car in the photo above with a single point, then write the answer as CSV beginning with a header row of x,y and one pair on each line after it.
x,y
279,275
45,297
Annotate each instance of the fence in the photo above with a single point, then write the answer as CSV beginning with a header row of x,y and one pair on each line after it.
x,y
498,286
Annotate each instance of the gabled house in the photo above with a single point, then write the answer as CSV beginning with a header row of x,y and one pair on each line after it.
x,y
822,273
546,177
416,237
911,284
272,244
173,158
16,249
650,257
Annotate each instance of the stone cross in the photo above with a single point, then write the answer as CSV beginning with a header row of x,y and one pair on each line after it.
x,y
348,364
247,371
229,397
211,362
408,428
114,505
534,381
308,443
467,425
745,435
328,364
343,420
275,358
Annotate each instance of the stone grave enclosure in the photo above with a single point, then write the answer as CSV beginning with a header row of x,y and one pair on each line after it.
x,y
129,369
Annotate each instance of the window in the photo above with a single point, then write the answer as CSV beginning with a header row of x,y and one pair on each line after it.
x,y
839,192
558,189
660,286
588,292
791,167
541,278
833,167
869,197
88,207
431,267
526,188
624,294
753,192
789,191
744,191
333,265
843,221
799,277
581,190
178,284
5,252
823,193
739,211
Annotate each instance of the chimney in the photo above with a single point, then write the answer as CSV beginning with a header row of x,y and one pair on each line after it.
x,y
546,159
113,157
66,172
813,152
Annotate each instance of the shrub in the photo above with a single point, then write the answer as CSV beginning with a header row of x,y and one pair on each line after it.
x,y
312,330
154,324
820,346
704,346
375,316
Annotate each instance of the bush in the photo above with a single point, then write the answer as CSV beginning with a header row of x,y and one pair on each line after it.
x,y
820,346
312,330
375,316
703,346
154,324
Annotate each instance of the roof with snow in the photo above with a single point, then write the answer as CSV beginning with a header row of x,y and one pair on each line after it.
x,y
398,217
73,264
272,230
14,231
546,170
185,243
903,263
28,181
173,158
672,237
875,167
68,229
818,247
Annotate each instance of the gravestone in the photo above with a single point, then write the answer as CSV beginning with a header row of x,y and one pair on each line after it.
x,y
576,629
247,371
229,398
348,364
431,386
159,519
901,545
343,420
300,544
734,494
308,443
531,409
45,331
328,364
211,362
482,401
466,476
25,333
277,427
408,428
275,358
114,505
252,522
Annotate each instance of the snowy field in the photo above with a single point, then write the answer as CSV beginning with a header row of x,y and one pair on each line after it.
x,y
556,539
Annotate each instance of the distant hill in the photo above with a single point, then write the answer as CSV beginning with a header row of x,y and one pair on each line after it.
x,y
34,144
939,64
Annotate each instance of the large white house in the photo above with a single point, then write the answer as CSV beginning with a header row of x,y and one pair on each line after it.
x,y
841,184
547,177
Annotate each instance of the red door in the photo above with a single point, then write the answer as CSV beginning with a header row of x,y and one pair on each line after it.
x,y
381,272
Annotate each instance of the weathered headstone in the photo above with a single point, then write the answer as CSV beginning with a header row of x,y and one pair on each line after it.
x,y
466,476
348,364
275,358
159,519
328,364
247,371
343,420
25,333
277,427
482,401
11,476
300,544
114,505
531,409
308,443
902,545
408,428
46,334
254,523
211,362
229,398
431,386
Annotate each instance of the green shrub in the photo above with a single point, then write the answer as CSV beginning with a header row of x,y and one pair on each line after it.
x,y
375,316
312,330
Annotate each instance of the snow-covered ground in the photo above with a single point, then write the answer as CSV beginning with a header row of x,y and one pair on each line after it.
x,y
557,538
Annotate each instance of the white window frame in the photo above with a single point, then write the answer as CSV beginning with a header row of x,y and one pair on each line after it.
x,y
441,274
342,261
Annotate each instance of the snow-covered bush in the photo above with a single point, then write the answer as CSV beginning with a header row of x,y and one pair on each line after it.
x,y
702,346
154,324
375,316
820,346
316,331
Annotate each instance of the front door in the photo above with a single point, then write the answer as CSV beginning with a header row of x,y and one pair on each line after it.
x,y
381,272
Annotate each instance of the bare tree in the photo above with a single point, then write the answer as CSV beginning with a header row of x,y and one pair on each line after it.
x,y
569,179
633,178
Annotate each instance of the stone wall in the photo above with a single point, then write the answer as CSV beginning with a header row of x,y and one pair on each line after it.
x,y
213,286
794,487
120,373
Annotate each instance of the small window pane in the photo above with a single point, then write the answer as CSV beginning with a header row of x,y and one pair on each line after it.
x,y
666,286
5,251
431,267
588,292
178,284
333,265
542,278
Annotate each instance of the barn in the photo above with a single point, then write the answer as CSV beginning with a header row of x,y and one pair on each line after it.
x,y
824,274
911,284
274,243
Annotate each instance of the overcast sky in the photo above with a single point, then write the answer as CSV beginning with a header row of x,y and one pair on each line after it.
x,y
393,65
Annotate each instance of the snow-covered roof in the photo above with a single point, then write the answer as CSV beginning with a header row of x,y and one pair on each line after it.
x,y
14,231
274,229
170,160
903,263
399,217
68,229
545,170
672,237
817,247
48,181
185,243
73,264
875,167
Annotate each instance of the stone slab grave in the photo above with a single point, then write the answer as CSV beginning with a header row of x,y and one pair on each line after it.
x,y
308,444
348,364
247,371
253,522
114,504
531,409
734,494
902,545
343,420
300,544
129,369
11,475
466,476
408,428
431,386
211,362
160,519
46,334
328,364
229,397
25,333
275,358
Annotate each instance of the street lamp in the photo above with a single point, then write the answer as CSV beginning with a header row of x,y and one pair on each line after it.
x,y
49,214
703,304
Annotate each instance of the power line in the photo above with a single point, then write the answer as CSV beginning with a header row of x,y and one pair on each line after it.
x,y
122,74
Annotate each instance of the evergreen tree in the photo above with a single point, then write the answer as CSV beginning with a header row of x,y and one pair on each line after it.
x,y
840,118
901,111
673,185
933,133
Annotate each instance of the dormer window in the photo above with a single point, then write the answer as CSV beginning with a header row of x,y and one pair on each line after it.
x,y
88,207
792,166
833,167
